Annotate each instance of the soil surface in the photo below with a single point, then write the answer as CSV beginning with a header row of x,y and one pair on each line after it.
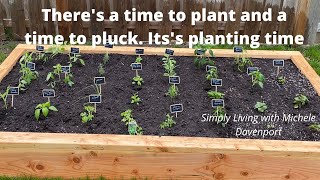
x,y
240,98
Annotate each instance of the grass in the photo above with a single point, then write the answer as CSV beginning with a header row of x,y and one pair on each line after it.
x,y
5,48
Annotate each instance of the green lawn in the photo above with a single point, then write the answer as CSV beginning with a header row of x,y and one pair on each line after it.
x,y
5,48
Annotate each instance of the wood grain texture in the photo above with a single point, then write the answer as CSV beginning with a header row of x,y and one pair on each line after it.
x,y
121,156
18,19
10,62
2,16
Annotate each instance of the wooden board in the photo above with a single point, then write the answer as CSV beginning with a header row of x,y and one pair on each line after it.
x,y
121,156
2,16
18,17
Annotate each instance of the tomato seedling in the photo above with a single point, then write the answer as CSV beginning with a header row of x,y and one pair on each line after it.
x,y
4,97
44,108
203,60
56,73
242,62
76,58
212,74
88,114
215,95
27,75
168,123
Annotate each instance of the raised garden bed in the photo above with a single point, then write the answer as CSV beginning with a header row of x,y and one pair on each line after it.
x,y
77,155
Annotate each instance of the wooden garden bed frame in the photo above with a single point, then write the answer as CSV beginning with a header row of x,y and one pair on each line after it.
x,y
122,156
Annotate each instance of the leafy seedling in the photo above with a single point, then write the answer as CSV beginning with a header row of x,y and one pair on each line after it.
x,y
127,116
27,75
315,127
212,74
68,79
4,97
101,70
133,127
203,60
215,95
139,59
261,107
169,65
281,80
54,50
300,100
168,123
220,113
257,78
135,99
137,80
242,62
88,114
106,59
76,58
173,91
54,77
44,108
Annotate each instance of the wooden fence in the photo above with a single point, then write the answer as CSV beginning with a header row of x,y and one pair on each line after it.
x,y
25,16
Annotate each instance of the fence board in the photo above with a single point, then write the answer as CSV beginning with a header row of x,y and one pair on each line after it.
x,y
288,26
269,27
36,17
18,16
301,20
77,5
121,26
253,27
212,27
2,15
235,5
97,27
188,7
49,27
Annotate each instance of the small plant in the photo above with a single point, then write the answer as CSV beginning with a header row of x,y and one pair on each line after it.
x,y
135,99
56,73
212,74
76,58
139,59
315,127
168,123
173,91
106,59
137,80
133,127
54,50
101,70
44,108
242,62
88,114
220,113
257,78
281,80
27,74
300,100
215,95
169,65
261,107
203,60
4,97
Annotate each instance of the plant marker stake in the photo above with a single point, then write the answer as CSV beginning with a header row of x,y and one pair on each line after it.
x,y
137,73
12,100
95,99
176,108
12,92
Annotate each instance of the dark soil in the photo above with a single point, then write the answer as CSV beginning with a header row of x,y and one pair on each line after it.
x,y
240,98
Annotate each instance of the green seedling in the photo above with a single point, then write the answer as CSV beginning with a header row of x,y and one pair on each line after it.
x,y
133,127
300,100
101,70
168,123
281,80
106,59
44,108
169,65
173,91
215,95
135,99
220,113
137,80
242,62
212,74
4,97
139,59
76,58
257,78
88,114
56,74
261,107
54,50
315,127
203,60
27,75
